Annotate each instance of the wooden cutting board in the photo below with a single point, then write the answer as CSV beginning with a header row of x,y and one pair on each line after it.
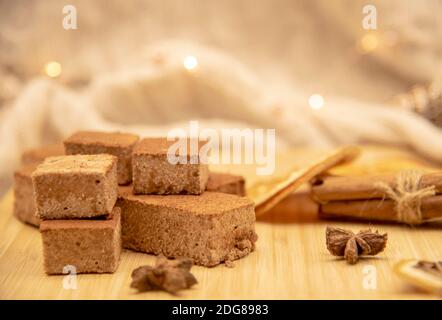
x,y
291,262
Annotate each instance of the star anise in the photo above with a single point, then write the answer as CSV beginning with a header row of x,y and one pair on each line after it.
x,y
344,243
167,275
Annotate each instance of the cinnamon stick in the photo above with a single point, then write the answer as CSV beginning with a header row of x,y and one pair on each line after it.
x,y
380,210
364,187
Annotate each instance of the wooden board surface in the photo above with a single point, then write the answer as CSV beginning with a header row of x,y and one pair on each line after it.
x,y
291,262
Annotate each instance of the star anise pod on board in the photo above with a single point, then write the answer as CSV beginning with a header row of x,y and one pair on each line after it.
x,y
344,243
167,275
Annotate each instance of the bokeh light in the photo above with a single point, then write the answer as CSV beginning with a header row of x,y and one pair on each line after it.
x,y
316,101
53,69
190,62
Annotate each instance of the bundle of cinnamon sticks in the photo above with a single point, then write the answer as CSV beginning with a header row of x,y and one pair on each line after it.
x,y
361,197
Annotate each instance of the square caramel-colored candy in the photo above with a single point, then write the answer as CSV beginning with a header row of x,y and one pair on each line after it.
x,y
124,190
115,143
83,246
75,187
226,183
24,208
153,173
37,155
210,228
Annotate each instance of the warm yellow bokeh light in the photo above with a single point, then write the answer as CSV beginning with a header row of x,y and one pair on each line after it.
x,y
53,69
190,62
316,101
369,42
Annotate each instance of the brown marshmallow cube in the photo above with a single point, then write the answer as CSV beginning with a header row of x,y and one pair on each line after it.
x,y
115,143
37,155
88,246
24,208
75,187
226,183
210,228
124,190
153,173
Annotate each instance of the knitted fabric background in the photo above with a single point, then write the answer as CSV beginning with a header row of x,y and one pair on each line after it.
x,y
258,63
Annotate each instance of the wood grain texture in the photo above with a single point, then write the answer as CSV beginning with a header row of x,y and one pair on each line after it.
x,y
291,262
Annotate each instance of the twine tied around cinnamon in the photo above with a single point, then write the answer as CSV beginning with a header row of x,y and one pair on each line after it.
x,y
408,195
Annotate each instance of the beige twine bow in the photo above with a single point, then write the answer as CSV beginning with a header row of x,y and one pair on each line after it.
x,y
408,195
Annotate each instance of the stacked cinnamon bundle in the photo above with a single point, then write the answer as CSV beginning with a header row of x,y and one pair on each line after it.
x,y
408,197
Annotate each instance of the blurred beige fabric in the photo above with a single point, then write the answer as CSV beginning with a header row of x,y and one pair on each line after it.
x,y
259,62
309,44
